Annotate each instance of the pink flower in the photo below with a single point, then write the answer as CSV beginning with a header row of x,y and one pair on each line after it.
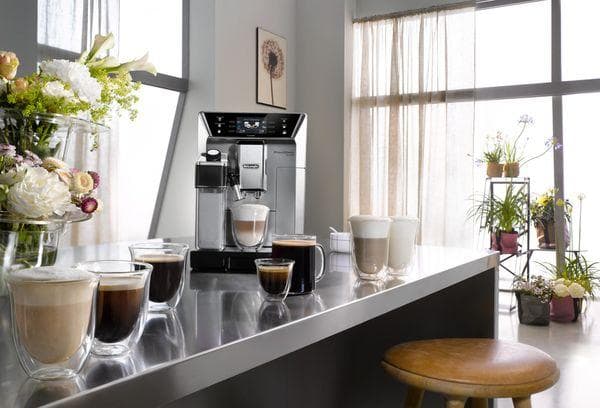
x,y
89,205
96,177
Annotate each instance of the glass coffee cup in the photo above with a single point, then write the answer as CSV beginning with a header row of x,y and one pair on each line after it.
x,y
249,223
122,304
274,277
302,250
168,260
370,245
53,319
403,233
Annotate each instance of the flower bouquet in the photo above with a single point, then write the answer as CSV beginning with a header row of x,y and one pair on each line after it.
x,y
39,115
542,215
533,300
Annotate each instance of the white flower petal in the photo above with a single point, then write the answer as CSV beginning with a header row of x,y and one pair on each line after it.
x,y
39,194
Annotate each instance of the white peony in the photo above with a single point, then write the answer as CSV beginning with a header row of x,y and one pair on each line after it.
x,y
576,290
12,176
561,290
76,75
39,194
57,89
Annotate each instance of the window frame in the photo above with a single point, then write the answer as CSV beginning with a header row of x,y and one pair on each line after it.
x,y
164,81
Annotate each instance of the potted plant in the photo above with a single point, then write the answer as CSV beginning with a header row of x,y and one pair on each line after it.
x,y
510,214
515,149
492,156
533,300
542,215
574,282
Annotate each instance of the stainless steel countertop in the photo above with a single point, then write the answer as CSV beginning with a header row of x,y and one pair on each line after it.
x,y
222,328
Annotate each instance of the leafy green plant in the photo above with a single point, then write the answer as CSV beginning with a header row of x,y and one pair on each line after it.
x,y
542,209
501,214
579,270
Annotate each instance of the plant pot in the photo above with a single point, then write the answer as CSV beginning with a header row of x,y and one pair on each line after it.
x,y
495,241
565,309
546,235
511,170
532,311
24,245
509,242
494,169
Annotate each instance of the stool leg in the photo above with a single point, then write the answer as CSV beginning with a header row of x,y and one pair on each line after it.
x,y
455,402
522,402
479,403
414,397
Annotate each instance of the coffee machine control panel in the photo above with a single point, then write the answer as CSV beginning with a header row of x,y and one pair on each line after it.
x,y
261,125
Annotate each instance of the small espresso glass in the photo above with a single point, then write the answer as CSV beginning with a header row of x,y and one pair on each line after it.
x,y
370,245
53,319
122,304
274,276
169,273
249,224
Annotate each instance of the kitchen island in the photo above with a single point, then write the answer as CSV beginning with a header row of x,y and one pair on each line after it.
x,y
225,347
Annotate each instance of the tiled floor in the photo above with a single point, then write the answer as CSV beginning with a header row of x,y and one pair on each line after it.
x,y
576,348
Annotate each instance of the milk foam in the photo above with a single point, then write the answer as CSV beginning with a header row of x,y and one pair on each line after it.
x,y
250,212
369,226
51,273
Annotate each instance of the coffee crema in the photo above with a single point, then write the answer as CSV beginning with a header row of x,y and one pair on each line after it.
x,y
273,278
118,307
167,272
302,252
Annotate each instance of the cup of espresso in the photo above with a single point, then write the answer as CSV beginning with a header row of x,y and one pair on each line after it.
x,y
249,225
403,232
370,245
168,260
302,250
122,304
274,276
53,319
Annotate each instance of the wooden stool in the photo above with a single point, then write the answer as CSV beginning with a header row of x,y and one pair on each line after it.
x,y
470,368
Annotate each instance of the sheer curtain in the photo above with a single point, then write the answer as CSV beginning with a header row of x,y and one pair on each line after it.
x,y
71,25
410,141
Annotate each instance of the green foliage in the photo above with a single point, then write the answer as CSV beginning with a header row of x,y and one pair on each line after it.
x,y
577,269
542,209
117,90
501,214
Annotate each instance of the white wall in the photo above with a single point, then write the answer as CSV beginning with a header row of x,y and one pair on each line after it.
x,y
18,32
367,8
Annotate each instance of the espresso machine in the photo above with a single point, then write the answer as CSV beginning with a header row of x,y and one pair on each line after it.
x,y
246,158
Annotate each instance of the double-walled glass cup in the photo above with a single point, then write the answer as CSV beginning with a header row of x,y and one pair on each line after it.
x,y
53,319
249,224
370,245
274,276
169,273
122,304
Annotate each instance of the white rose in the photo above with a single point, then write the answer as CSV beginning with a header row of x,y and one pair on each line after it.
x,y
576,290
39,194
561,290
76,75
57,89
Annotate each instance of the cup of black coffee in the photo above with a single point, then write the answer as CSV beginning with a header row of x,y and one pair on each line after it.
x,y
274,276
302,250
121,304
168,260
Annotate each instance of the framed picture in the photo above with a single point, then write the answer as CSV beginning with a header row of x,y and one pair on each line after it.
x,y
271,69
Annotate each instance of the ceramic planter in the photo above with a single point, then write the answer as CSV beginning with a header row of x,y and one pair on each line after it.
x,y
509,242
532,310
494,169
546,235
511,170
565,309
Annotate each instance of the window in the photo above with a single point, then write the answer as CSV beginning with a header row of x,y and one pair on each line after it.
x,y
137,151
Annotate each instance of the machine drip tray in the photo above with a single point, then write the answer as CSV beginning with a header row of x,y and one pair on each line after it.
x,y
230,260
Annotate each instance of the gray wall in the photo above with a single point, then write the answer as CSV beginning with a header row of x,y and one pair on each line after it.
x,y
18,32
367,8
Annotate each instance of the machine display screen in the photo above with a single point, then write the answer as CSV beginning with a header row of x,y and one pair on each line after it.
x,y
246,125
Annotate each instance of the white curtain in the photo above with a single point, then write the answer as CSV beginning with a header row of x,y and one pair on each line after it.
x,y
71,25
409,145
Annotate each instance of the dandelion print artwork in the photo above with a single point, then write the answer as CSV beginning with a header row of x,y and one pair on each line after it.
x,y
271,64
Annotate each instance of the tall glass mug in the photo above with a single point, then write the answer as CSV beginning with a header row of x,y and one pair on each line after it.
x,y
302,250
370,245
403,233
122,303
249,225
53,319
169,272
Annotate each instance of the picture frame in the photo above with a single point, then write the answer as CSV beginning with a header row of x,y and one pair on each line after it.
x,y
271,69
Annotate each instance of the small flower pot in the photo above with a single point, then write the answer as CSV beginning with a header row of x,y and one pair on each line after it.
x,y
509,242
532,311
511,170
546,235
565,309
494,169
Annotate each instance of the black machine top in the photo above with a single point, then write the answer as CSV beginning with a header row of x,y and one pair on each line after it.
x,y
240,125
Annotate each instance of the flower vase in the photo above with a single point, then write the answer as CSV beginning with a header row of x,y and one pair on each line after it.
x,y
532,311
26,245
494,169
565,309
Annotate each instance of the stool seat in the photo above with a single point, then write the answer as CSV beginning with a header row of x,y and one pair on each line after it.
x,y
485,368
